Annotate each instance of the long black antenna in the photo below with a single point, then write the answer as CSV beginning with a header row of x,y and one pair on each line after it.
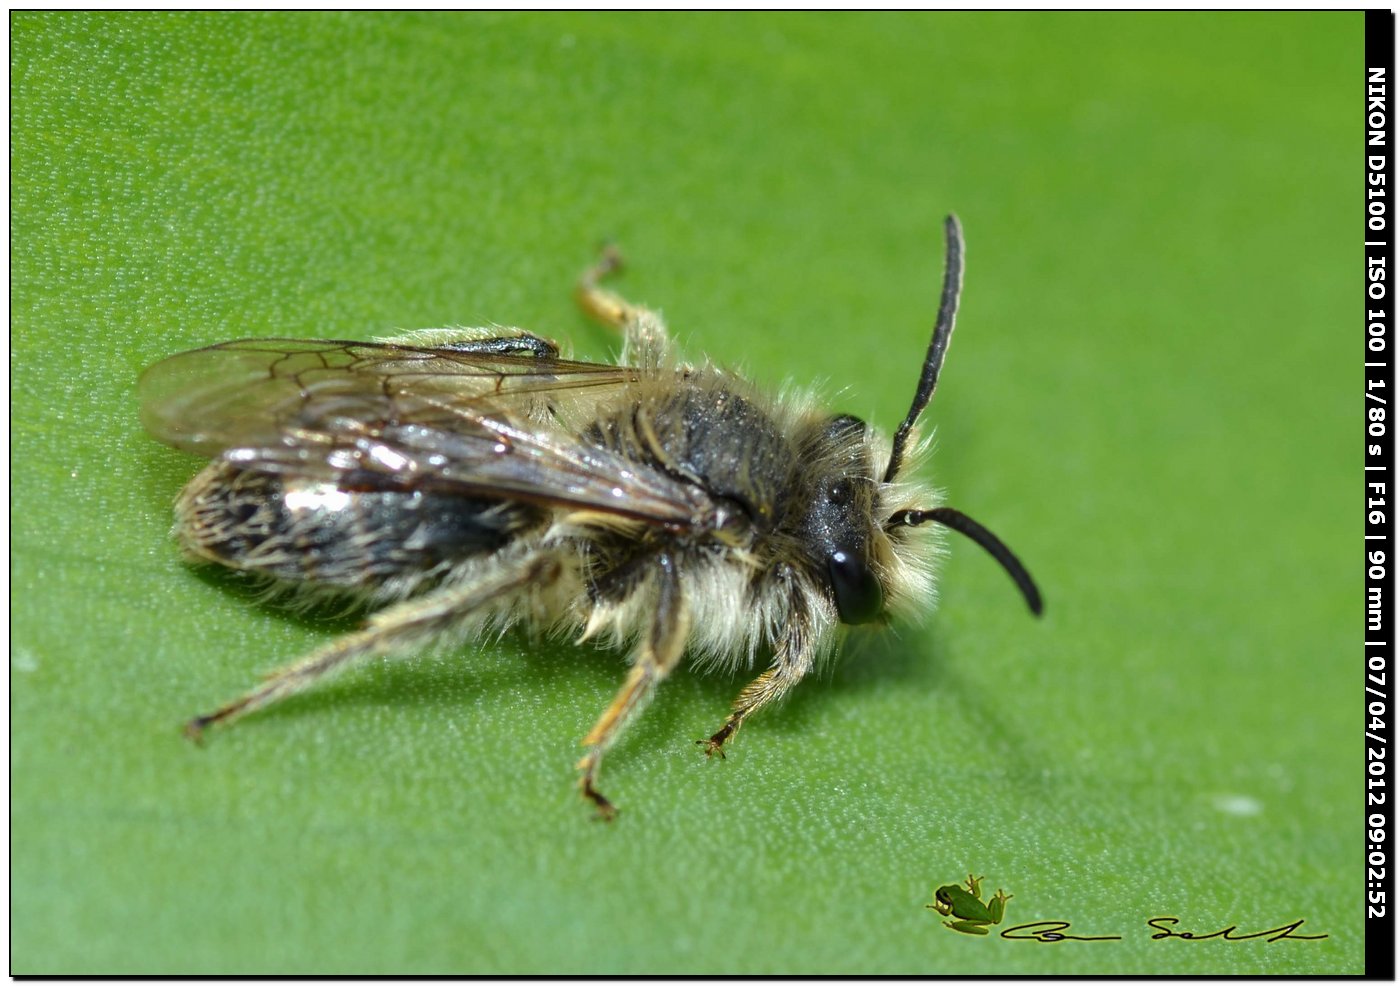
x,y
937,347
963,524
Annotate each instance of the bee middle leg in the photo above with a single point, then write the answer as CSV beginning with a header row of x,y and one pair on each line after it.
x,y
660,651
645,341
395,629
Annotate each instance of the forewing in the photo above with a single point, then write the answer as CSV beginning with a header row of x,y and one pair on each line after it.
x,y
257,392
381,415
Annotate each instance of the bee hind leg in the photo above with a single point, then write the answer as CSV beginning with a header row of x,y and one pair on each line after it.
x,y
660,651
486,341
645,340
395,629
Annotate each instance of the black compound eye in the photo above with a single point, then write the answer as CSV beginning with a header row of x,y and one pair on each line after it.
x,y
845,427
840,493
859,598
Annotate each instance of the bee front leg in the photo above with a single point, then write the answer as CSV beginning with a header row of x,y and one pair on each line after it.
x,y
660,651
391,630
645,340
791,663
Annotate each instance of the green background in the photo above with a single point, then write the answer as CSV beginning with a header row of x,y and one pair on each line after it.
x,y
1152,396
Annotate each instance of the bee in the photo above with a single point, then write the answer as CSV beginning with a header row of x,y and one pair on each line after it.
x,y
457,482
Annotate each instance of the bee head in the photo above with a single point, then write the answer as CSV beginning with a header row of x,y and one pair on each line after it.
x,y
839,524
851,535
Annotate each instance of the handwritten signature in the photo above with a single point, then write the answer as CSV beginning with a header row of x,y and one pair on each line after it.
x,y
1052,932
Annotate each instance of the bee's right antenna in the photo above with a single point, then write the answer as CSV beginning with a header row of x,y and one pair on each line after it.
x,y
963,524
937,347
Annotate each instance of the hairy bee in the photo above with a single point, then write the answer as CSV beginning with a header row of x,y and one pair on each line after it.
x,y
459,481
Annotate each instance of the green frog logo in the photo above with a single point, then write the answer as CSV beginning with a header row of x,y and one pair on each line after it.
x,y
974,915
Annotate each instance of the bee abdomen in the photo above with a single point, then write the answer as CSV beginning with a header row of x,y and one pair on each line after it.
x,y
306,530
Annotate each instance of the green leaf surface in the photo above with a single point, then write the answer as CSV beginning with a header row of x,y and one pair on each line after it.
x,y
1151,397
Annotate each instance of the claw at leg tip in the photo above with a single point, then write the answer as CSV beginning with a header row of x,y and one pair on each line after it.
x,y
712,747
604,810
610,257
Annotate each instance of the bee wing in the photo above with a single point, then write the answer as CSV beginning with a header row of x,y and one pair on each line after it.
x,y
258,391
390,416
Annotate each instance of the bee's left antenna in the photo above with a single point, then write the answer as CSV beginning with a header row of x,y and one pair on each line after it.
x,y
958,521
937,347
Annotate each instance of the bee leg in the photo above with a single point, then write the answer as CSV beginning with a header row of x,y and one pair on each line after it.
x,y
660,651
790,665
394,629
491,340
645,341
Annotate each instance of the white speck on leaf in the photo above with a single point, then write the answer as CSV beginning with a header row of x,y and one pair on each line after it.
x,y
1237,804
